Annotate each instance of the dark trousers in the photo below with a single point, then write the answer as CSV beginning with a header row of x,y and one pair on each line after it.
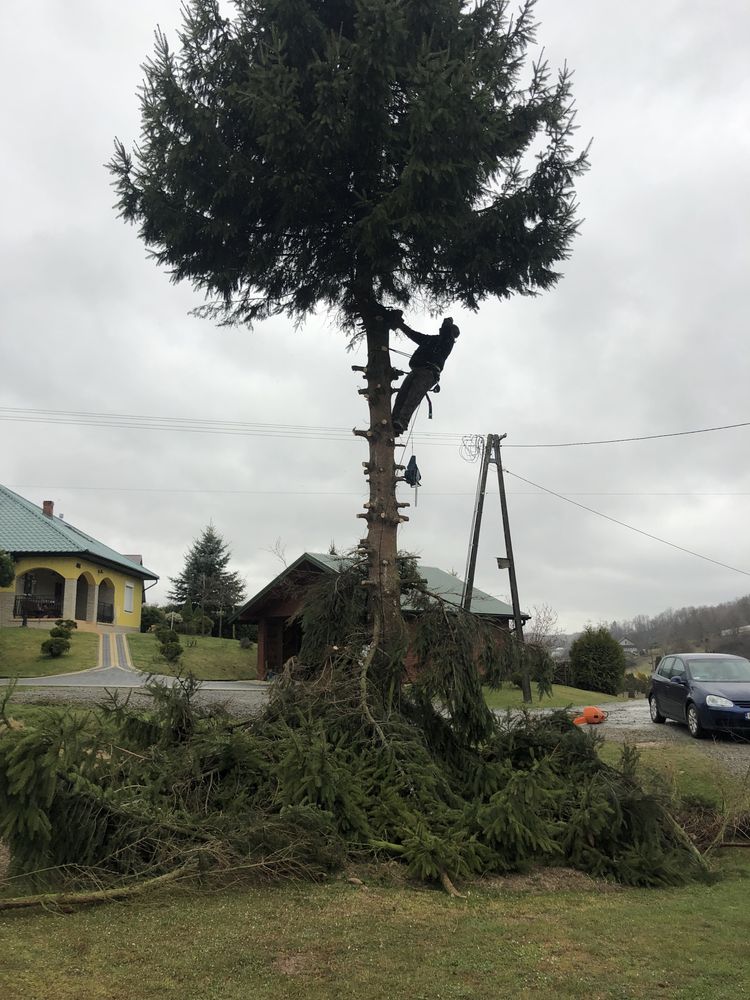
x,y
413,390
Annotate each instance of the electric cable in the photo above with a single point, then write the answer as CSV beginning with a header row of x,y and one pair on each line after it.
x,y
130,421
623,524
432,493
624,440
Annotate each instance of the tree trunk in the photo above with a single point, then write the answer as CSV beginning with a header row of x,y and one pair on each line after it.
x,y
381,511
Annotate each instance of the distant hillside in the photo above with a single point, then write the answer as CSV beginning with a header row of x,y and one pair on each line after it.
x,y
719,627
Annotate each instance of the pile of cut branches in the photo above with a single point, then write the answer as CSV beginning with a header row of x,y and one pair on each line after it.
x,y
339,766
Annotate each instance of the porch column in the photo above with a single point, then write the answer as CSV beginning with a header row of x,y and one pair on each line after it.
x,y
91,598
69,599
7,600
262,639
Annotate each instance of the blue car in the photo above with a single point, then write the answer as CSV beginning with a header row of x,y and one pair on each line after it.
x,y
707,691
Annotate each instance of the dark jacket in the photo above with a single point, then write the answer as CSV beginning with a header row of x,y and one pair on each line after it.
x,y
432,351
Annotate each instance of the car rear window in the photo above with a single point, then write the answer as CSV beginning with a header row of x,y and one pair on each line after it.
x,y
720,670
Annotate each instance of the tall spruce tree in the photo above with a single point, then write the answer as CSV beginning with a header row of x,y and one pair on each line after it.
x,y
205,580
354,154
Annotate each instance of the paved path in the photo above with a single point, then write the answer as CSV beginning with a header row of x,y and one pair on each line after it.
x,y
108,676
115,670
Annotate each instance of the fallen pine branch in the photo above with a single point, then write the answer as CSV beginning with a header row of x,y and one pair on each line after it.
x,y
61,899
450,887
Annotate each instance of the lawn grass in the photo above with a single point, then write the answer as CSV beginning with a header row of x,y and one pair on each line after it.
x,y
20,655
689,771
574,938
209,659
509,696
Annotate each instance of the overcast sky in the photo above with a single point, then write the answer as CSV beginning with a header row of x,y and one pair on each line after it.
x,y
644,335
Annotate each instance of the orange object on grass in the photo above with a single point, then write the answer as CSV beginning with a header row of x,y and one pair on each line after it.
x,y
580,721
594,715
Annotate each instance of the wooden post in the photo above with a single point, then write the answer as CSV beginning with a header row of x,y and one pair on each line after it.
x,y
525,679
476,527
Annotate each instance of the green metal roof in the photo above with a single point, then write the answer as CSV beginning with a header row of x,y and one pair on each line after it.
x,y
445,585
24,528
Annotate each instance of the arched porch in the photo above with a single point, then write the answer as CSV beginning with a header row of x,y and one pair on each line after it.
x,y
86,598
105,607
39,594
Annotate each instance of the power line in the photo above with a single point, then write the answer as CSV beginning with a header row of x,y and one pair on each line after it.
x,y
623,524
624,440
130,421
427,492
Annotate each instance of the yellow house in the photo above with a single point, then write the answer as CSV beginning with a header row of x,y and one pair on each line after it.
x,y
61,572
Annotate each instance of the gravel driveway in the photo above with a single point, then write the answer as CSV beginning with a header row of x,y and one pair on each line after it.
x,y
630,722
240,701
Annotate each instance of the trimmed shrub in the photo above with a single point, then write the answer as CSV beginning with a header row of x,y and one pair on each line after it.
x,y
171,651
58,632
55,647
166,635
66,623
597,662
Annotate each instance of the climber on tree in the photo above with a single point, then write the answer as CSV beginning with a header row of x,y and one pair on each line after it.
x,y
426,364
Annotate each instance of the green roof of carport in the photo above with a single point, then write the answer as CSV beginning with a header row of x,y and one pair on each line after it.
x,y
25,529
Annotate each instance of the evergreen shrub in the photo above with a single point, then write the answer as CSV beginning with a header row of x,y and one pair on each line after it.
x,y
171,651
597,662
55,647
245,631
166,635
151,617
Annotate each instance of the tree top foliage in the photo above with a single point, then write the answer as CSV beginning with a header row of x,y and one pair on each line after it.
x,y
205,578
342,152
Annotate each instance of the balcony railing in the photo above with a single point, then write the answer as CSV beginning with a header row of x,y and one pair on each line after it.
x,y
105,613
37,607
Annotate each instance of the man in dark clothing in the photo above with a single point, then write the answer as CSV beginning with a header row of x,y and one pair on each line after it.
x,y
426,364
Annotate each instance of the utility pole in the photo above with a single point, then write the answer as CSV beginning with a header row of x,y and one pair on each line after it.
x,y
491,453
525,679
476,527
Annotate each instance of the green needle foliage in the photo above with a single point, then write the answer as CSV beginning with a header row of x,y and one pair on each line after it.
x,y
306,785
336,768
341,152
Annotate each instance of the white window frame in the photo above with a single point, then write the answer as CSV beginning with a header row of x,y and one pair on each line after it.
x,y
129,598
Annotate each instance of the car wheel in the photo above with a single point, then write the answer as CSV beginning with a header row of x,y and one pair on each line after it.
x,y
695,728
653,708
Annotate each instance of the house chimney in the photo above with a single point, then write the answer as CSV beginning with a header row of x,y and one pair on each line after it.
x,y
48,507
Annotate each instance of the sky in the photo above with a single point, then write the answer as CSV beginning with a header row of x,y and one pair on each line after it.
x,y
132,415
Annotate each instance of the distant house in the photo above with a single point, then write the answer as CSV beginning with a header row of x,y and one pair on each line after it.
x,y
629,648
61,572
272,607
739,630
